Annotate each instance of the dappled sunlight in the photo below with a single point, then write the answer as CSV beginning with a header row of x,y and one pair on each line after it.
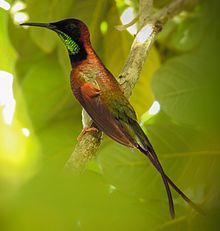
x,y
104,27
25,131
18,16
154,109
127,16
17,6
111,189
145,33
21,17
4,5
14,146
18,154
7,100
185,37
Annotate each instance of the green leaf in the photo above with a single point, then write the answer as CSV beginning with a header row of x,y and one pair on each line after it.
x,y
187,86
185,158
183,33
46,11
44,39
44,90
116,43
17,36
184,91
8,54
188,34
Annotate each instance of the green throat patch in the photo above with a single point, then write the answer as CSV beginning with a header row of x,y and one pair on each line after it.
x,y
72,47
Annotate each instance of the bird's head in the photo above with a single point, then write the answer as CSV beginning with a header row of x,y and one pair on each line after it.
x,y
73,32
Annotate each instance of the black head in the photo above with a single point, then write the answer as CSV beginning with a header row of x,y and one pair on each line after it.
x,y
73,32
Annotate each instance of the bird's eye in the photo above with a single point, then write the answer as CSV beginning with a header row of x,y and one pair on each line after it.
x,y
71,26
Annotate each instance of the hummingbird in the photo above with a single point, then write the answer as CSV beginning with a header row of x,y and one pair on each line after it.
x,y
102,98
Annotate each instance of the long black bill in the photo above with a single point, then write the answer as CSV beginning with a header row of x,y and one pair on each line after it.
x,y
46,25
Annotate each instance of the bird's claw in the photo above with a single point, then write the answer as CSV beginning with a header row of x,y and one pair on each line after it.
x,y
85,130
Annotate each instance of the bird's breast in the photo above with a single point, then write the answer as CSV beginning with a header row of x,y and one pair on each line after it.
x,y
80,76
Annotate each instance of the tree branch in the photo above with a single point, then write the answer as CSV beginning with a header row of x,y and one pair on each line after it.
x,y
87,147
145,11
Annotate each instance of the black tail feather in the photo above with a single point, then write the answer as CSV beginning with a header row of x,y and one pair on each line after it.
x,y
173,185
164,178
148,150
183,195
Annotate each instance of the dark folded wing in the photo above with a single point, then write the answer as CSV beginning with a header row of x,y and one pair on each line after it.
x,y
90,98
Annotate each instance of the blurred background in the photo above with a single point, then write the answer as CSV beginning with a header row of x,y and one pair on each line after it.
x,y
176,99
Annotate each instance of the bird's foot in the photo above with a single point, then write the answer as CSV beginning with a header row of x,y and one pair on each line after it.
x,y
85,130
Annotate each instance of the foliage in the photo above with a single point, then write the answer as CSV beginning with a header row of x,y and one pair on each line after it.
x,y
120,190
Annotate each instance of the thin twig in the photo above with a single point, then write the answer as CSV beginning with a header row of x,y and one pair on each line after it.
x,y
145,11
174,8
125,26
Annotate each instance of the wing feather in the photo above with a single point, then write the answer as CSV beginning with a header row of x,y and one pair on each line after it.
x,y
92,101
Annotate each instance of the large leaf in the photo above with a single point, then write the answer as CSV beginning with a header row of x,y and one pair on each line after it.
x,y
185,157
187,89
116,43
45,90
46,11
187,86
